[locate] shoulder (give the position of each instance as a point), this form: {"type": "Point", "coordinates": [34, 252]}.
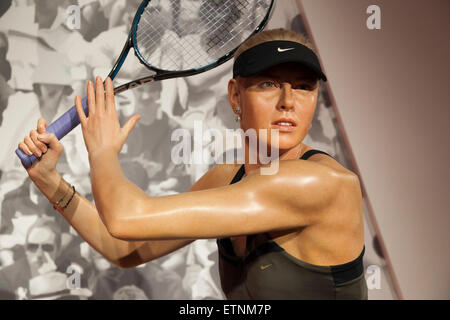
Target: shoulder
{"type": "Point", "coordinates": [331, 163]}
{"type": "Point", "coordinates": [348, 183]}
{"type": "Point", "coordinates": [345, 183]}
{"type": "Point", "coordinates": [326, 178]}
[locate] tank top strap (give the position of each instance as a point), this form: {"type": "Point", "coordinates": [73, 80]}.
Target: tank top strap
{"type": "Point", "coordinates": [311, 152]}
{"type": "Point", "coordinates": [238, 176]}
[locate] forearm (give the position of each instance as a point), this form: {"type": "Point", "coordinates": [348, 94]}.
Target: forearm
{"type": "Point", "coordinates": [115, 196]}
{"type": "Point", "coordinates": [82, 215]}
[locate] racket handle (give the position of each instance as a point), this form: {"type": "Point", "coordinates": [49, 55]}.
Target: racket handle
{"type": "Point", "coordinates": [60, 127]}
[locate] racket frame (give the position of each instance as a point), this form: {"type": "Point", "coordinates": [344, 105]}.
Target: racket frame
{"type": "Point", "coordinates": [165, 74]}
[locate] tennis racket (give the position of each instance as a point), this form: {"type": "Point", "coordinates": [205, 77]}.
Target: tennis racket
{"type": "Point", "coordinates": [181, 39]}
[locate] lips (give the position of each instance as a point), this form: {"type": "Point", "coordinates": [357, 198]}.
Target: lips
{"type": "Point", "coordinates": [284, 125]}
{"type": "Point", "coordinates": [284, 121]}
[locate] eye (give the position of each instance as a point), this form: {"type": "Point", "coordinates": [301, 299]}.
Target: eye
{"type": "Point", "coordinates": [268, 84]}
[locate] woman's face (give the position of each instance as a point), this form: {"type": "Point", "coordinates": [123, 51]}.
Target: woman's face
{"type": "Point", "coordinates": [285, 91]}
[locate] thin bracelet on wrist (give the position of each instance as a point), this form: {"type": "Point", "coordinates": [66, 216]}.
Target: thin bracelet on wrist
{"type": "Point", "coordinates": [71, 197]}
{"type": "Point", "coordinates": [57, 206]}
{"type": "Point", "coordinates": [65, 193]}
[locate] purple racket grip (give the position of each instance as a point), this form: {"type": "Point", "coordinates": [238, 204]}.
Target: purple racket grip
{"type": "Point", "coordinates": [60, 127]}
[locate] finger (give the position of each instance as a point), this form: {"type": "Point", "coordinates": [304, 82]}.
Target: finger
{"type": "Point", "coordinates": [99, 96]}
{"type": "Point", "coordinates": [50, 140]}
{"type": "Point", "coordinates": [40, 145]}
{"type": "Point", "coordinates": [25, 148]}
{"type": "Point", "coordinates": [80, 111]}
{"type": "Point", "coordinates": [41, 125]}
{"type": "Point", "coordinates": [128, 126]}
{"type": "Point", "coordinates": [91, 98]}
{"type": "Point", "coordinates": [110, 104]}
{"type": "Point", "coordinates": [30, 144]}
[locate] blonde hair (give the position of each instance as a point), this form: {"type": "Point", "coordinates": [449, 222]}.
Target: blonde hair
{"type": "Point", "coordinates": [273, 35]}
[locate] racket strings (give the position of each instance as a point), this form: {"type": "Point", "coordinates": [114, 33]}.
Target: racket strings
{"type": "Point", "coordinates": [213, 12]}
{"type": "Point", "coordinates": [193, 34]}
{"type": "Point", "coordinates": [150, 44]}
{"type": "Point", "coordinates": [217, 41]}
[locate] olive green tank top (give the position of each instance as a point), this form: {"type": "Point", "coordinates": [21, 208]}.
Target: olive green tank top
{"type": "Point", "coordinates": [268, 272]}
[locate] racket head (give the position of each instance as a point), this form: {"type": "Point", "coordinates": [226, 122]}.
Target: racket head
{"type": "Point", "coordinates": [186, 37]}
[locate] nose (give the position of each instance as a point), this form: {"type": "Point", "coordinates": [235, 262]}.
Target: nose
{"type": "Point", "coordinates": [286, 98]}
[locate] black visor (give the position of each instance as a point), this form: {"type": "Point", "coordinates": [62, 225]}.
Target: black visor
{"type": "Point", "coordinates": [272, 53]}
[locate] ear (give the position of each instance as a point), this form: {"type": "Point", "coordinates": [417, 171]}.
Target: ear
{"type": "Point", "coordinates": [233, 93]}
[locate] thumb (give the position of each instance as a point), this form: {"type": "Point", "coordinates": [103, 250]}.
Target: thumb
{"type": "Point", "coordinates": [129, 125]}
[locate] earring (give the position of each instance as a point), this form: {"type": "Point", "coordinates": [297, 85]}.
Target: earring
{"type": "Point", "coordinates": [238, 118]}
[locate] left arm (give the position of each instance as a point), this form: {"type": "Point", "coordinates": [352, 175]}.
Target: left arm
{"type": "Point", "coordinates": [301, 193]}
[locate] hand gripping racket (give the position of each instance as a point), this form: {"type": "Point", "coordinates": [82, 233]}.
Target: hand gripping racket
{"type": "Point", "coordinates": [181, 39]}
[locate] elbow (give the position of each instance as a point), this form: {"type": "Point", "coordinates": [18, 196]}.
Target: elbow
{"type": "Point", "coordinates": [129, 260]}
{"type": "Point", "coordinates": [114, 223]}
{"type": "Point", "coordinates": [120, 220]}
{"type": "Point", "coordinates": [116, 229]}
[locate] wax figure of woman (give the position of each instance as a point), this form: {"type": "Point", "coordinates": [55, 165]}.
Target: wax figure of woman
{"type": "Point", "coordinates": [295, 234]}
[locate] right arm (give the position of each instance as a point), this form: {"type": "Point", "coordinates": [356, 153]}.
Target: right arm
{"type": "Point", "coordinates": [82, 214]}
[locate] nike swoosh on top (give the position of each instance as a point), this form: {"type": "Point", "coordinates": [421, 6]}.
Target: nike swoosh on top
{"type": "Point", "coordinates": [283, 50]}
{"type": "Point", "coordinates": [265, 267]}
